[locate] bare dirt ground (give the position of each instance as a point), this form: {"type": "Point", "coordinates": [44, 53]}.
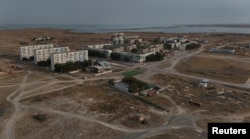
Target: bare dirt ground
{"type": "Point", "coordinates": [223, 69]}
{"type": "Point", "coordinates": [74, 107]}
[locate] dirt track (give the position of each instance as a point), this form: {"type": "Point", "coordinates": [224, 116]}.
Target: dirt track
{"type": "Point", "coordinates": [28, 87]}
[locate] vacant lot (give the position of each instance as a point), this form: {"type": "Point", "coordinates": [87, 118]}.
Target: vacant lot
{"type": "Point", "coordinates": [221, 69]}
{"type": "Point", "coordinates": [215, 99]}
{"type": "Point", "coordinates": [98, 100]}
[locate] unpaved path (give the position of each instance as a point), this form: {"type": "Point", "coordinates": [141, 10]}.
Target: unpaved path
{"type": "Point", "coordinates": [14, 102]}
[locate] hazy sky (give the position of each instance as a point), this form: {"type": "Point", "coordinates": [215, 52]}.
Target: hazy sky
{"type": "Point", "coordinates": [124, 11]}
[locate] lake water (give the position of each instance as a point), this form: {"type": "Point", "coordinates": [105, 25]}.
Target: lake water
{"type": "Point", "coordinates": [135, 28]}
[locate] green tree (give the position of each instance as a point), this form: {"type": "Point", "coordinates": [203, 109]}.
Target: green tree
{"type": "Point", "coordinates": [25, 59]}
{"type": "Point", "coordinates": [134, 50]}
{"type": "Point", "coordinates": [155, 57]}
{"type": "Point", "coordinates": [31, 58]}
{"type": "Point", "coordinates": [111, 82]}
{"type": "Point", "coordinates": [193, 46]}
{"type": "Point", "coordinates": [115, 56]}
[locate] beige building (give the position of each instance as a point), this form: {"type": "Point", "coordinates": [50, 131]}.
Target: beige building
{"type": "Point", "coordinates": [44, 54]}
{"type": "Point", "coordinates": [132, 39]}
{"type": "Point", "coordinates": [128, 48]}
{"type": "Point", "coordinates": [28, 51]}
{"type": "Point", "coordinates": [152, 48]}
{"type": "Point", "coordinates": [62, 58]}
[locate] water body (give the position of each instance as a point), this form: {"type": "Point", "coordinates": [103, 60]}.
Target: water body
{"type": "Point", "coordinates": [138, 28]}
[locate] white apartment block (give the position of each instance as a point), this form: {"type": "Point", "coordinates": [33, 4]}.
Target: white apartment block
{"type": "Point", "coordinates": [62, 58]}
{"type": "Point", "coordinates": [99, 46]}
{"type": "Point", "coordinates": [44, 54]}
{"type": "Point", "coordinates": [28, 51]}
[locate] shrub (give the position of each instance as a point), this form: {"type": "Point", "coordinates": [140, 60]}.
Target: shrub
{"type": "Point", "coordinates": [40, 117]}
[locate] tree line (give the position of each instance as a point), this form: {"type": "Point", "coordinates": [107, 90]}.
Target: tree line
{"type": "Point", "coordinates": [135, 85]}
{"type": "Point", "coordinates": [71, 66]}
{"type": "Point", "coordinates": [96, 53]}
{"type": "Point", "coordinates": [155, 57]}
{"type": "Point", "coordinates": [46, 63]}
{"type": "Point", "coordinates": [28, 59]}
{"type": "Point", "coordinates": [193, 46]}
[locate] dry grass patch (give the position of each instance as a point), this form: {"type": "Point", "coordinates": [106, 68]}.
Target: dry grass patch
{"type": "Point", "coordinates": [225, 70]}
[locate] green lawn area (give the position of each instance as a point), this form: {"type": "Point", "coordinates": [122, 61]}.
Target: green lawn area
{"type": "Point", "coordinates": [131, 73]}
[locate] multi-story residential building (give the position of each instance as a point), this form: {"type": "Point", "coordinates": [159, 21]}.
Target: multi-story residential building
{"type": "Point", "coordinates": [132, 39]}
{"type": "Point", "coordinates": [62, 58]}
{"type": "Point", "coordinates": [44, 54]}
{"type": "Point", "coordinates": [152, 48]}
{"type": "Point", "coordinates": [156, 48]}
{"type": "Point", "coordinates": [115, 48]}
{"type": "Point", "coordinates": [128, 48]}
{"type": "Point", "coordinates": [28, 51]}
{"type": "Point", "coordinates": [99, 46]}
{"type": "Point", "coordinates": [118, 40]}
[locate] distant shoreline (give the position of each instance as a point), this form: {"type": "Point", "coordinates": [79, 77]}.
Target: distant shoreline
{"type": "Point", "coordinates": [199, 28]}
{"type": "Point", "coordinates": [221, 25]}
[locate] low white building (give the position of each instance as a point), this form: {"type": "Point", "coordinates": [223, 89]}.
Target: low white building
{"type": "Point", "coordinates": [28, 51]}
{"type": "Point", "coordinates": [100, 66]}
{"type": "Point", "coordinates": [124, 87]}
{"type": "Point", "coordinates": [62, 58]}
{"type": "Point", "coordinates": [44, 54]}
{"type": "Point", "coordinates": [183, 46]}
{"type": "Point", "coordinates": [136, 57]}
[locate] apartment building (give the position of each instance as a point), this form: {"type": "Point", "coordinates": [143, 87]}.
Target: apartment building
{"type": "Point", "coordinates": [62, 58]}
{"type": "Point", "coordinates": [118, 40]}
{"type": "Point", "coordinates": [132, 39]}
{"type": "Point", "coordinates": [44, 54]}
{"type": "Point", "coordinates": [28, 51]}
{"type": "Point", "coordinates": [128, 48]}
{"type": "Point", "coordinates": [99, 46]}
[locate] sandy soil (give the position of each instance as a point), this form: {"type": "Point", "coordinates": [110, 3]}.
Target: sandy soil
{"type": "Point", "coordinates": [223, 69]}
{"type": "Point", "coordinates": [79, 108]}
{"type": "Point", "coordinates": [11, 40]}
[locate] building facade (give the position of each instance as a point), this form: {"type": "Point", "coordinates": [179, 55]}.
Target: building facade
{"type": "Point", "coordinates": [62, 58]}
{"type": "Point", "coordinates": [28, 51]}
{"type": "Point", "coordinates": [118, 40]}
{"type": "Point", "coordinates": [44, 54]}
{"type": "Point", "coordinates": [135, 57]}
{"type": "Point", "coordinates": [99, 46]}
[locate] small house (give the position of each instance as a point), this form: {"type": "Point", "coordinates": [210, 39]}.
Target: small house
{"type": "Point", "coordinates": [124, 87]}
